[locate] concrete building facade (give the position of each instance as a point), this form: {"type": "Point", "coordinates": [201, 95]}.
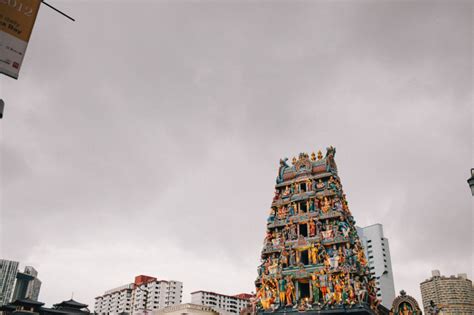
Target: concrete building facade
{"type": "Point", "coordinates": [34, 286]}
{"type": "Point", "coordinates": [188, 308]}
{"type": "Point", "coordinates": [454, 295]}
{"type": "Point", "coordinates": [223, 304]}
{"type": "Point", "coordinates": [142, 296]}
{"type": "Point", "coordinates": [377, 251]}
{"type": "Point", "coordinates": [27, 285]}
{"type": "Point", "coordinates": [8, 271]}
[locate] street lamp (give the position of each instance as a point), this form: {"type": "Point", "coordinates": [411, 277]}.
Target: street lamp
{"type": "Point", "coordinates": [470, 181]}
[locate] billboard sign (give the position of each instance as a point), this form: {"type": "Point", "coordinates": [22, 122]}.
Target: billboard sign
{"type": "Point", "coordinates": [17, 18]}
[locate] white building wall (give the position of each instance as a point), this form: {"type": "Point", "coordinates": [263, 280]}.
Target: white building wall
{"type": "Point", "coordinates": [223, 304]}
{"type": "Point", "coordinates": [377, 251]}
{"type": "Point", "coordinates": [130, 299]}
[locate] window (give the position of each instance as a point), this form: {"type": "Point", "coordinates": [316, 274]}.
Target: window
{"type": "Point", "coordinates": [304, 230]}
{"type": "Point", "coordinates": [303, 207]}
{"type": "Point", "coordinates": [304, 257]}
{"type": "Point", "coordinates": [302, 187]}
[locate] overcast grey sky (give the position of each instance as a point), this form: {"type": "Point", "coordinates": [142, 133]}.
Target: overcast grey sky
{"type": "Point", "coordinates": [145, 137]}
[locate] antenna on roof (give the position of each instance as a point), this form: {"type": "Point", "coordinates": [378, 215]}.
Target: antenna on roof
{"type": "Point", "coordinates": [72, 296]}
{"type": "Point", "coordinates": [60, 12]}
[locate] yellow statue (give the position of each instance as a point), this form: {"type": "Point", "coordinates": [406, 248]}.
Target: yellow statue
{"type": "Point", "coordinates": [313, 157]}
{"type": "Point", "coordinates": [314, 254]}
{"type": "Point", "coordinates": [320, 155]}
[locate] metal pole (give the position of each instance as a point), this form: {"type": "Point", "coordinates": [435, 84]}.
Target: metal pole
{"type": "Point", "coordinates": [60, 12]}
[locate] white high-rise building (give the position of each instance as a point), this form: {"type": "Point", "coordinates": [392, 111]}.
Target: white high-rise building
{"type": "Point", "coordinates": [377, 252]}
{"type": "Point", "coordinates": [8, 271]}
{"type": "Point", "coordinates": [144, 295]}
{"type": "Point", "coordinates": [224, 304]}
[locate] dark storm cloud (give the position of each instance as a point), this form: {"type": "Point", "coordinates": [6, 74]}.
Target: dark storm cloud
{"type": "Point", "coordinates": [145, 137]}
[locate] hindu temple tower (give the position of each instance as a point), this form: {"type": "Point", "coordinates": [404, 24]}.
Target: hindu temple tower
{"type": "Point", "coordinates": [312, 260]}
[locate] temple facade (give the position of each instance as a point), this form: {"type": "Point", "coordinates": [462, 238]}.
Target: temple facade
{"type": "Point", "coordinates": [312, 258]}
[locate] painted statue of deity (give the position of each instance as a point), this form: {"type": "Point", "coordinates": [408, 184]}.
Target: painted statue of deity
{"type": "Point", "coordinates": [309, 184]}
{"type": "Point", "coordinates": [344, 227]}
{"type": "Point", "coordinates": [328, 233]}
{"type": "Point", "coordinates": [273, 269]}
{"type": "Point", "coordinates": [405, 309]}
{"type": "Point", "coordinates": [312, 228]}
{"type": "Point", "coordinates": [312, 207]}
{"type": "Point", "coordinates": [294, 189]}
{"type": "Point", "coordinates": [315, 287]}
{"type": "Point", "coordinates": [286, 192]}
{"type": "Point", "coordinates": [338, 204]}
{"type": "Point", "coordinates": [345, 294]}
{"type": "Point", "coordinates": [332, 184]}
{"type": "Point", "coordinates": [323, 282]}
{"type": "Point", "coordinates": [290, 291]}
{"type": "Point", "coordinates": [342, 258]}
{"type": "Point", "coordinates": [292, 258]}
{"type": "Point", "coordinates": [320, 185]}
{"type": "Point", "coordinates": [282, 290]}
{"type": "Point", "coordinates": [291, 209]}
{"type": "Point", "coordinates": [338, 291]}
{"type": "Point", "coordinates": [326, 205]}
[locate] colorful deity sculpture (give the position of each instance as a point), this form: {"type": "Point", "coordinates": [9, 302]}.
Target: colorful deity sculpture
{"type": "Point", "coordinates": [282, 290]}
{"type": "Point", "coordinates": [315, 287]}
{"type": "Point", "coordinates": [291, 209]}
{"type": "Point", "coordinates": [312, 228]}
{"type": "Point", "coordinates": [290, 292]}
{"type": "Point", "coordinates": [326, 205]}
{"type": "Point", "coordinates": [286, 192]}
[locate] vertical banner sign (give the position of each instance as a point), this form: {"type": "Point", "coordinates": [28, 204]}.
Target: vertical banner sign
{"type": "Point", "coordinates": [17, 18]}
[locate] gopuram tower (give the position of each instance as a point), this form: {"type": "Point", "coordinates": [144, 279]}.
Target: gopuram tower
{"type": "Point", "coordinates": [312, 259]}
